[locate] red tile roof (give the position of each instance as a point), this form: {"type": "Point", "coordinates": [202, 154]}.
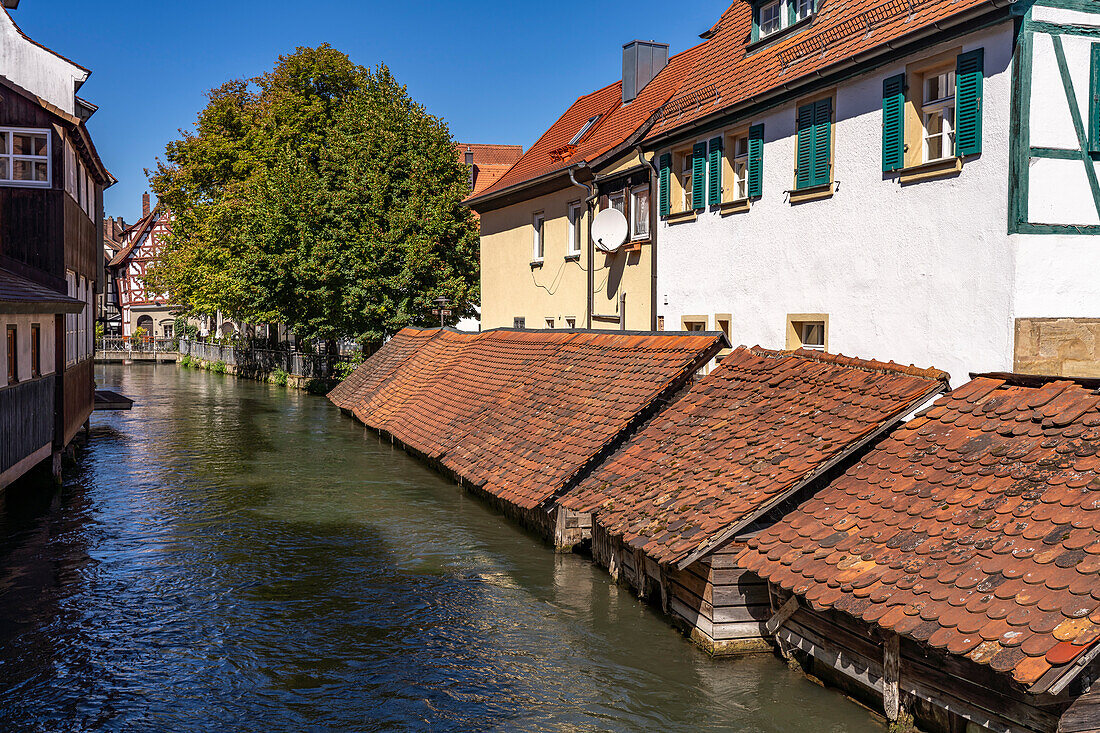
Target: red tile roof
{"type": "Point", "coordinates": [617, 123]}
{"type": "Point", "coordinates": [518, 413]}
{"type": "Point", "coordinates": [505, 155]}
{"type": "Point", "coordinates": [975, 529]}
{"type": "Point", "coordinates": [728, 74]}
{"type": "Point", "coordinates": [744, 438]}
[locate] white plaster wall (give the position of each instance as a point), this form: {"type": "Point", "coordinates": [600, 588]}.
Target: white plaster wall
{"type": "Point", "coordinates": [23, 324]}
{"type": "Point", "coordinates": [918, 274]}
{"type": "Point", "coordinates": [36, 69]}
{"type": "Point", "coordinates": [1056, 274]}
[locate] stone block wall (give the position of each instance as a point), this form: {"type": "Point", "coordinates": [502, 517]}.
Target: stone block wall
{"type": "Point", "coordinates": [1068, 347]}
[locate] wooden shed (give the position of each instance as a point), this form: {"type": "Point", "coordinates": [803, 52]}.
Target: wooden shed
{"type": "Point", "coordinates": [673, 507]}
{"type": "Point", "coordinates": [953, 574]}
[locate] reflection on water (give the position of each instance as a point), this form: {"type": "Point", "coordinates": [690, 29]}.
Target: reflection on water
{"type": "Point", "coordinates": [237, 556]}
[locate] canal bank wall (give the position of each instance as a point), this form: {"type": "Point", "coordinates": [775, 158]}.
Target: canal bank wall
{"type": "Point", "coordinates": [313, 372]}
{"type": "Point", "coordinates": [943, 570]}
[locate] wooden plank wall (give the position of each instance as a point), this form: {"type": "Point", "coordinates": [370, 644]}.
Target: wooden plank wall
{"type": "Point", "coordinates": [79, 391]}
{"type": "Point", "coordinates": [26, 419]}
{"type": "Point", "coordinates": [80, 241]}
{"type": "Point", "coordinates": [32, 234]}
{"type": "Point", "coordinates": [941, 691]}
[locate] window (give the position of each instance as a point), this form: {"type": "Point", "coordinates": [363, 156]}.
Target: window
{"type": "Point", "coordinates": [167, 330]}
{"type": "Point", "coordinates": [722, 321]}
{"type": "Point", "coordinates": [938, 115]}
{"type": "Point", "coordinates": [660, 323]}
{"type": "Point", "coordinates": [576, 229]}
{"type": "Point", "coordinates": [815, 133]}
{"type": "Point", "coordinates": [808, 331]}
{"type": "Point", "coordinates": [13, 355]}
{"type": "Point", "coordinates": [584, 128]}
{"type": "Point", "coordinates": [771, 17]}
{"type": "Point", "coordinates": [70, 320]}
{"type": "Point", "coordinates": [685, 182]}
{"type": "Point", "coordinates": [695, 323]}
{"type": "Point", "coordinates": [519, 322]}
{"type": "Point", "coordinates": [36, 350]}
{"type": "Point", "coordinates": [539, 245]}
{"type": "Point", "coordinates": [24, 157]}
{"type": "Point", "coordinates": [550, 323]}
{"type": "Point", "coordinates": [740, 187]}
{"type": "Point", "coordinates": [639, 212]}
{"type": "Point", "coordinates": [813, 336]}
{"type": "Point", "coordinates": [802, 9]}
{"type": "Point", "coordinates": [1094, 99]}
{"type": "Point", "coordinates": [617, 201]}
{"type": "Point", "coordinates": [570, 322]}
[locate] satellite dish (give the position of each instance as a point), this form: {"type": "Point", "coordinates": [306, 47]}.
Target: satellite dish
{"type": "Point", "coordinates": [609, 230]}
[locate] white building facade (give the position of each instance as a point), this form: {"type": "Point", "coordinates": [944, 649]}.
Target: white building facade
{"type": "Point", "coordinates": [935, 205]}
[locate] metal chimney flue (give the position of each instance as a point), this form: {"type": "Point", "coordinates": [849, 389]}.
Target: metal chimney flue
{"type": "Point", "coordinates": [642, 61]}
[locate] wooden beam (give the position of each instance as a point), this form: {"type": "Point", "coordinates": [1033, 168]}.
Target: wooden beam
{"type": "Point", "coordinates": [782, 615]}
{"type": "Point", "coordinates": [891, 676]}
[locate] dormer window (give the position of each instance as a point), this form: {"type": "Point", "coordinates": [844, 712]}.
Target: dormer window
{"type": "Point", "coordinates": [772, 16]}
{"type": "Point", "coordinates": [584, 128]}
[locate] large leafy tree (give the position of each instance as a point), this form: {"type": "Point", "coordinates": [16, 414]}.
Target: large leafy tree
{"type": "Point", "coordinates": [321, 196]}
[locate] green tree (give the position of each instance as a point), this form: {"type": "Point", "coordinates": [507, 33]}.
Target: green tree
{"type": "Point", "coordinates": [319, 195]}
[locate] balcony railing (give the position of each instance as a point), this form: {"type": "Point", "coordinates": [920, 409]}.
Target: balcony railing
{"type": "Point", "coordinates": [130, 343]}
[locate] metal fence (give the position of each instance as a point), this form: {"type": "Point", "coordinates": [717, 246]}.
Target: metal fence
{"type": "Point", "coordinates": [131, 344]}
{"type": "Point", "coordinates": [252, 362]}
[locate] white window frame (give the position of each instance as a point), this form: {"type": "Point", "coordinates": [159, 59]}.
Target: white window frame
{"type": "Point", "coordinates": [781, 7]}
{"type": "Point", "coordinates": [634, 206]}
{"type": "Point", "coordinates": [940, 106]}
{"type": "Point", "coordinates": [538, 239]}
{"type": "Point", "coordinates": [11, 157]}
{"type": "Point", "coordinates": [799, 7]}
{"type": "Point", "coordinates": [803, 331]}
{"type": "Point", "coordinates": [570, 321]}
{"type": "Point", "coordinates": [576, 220]}
{"type": "Point", "coordinates": [686, 183]}
{"type": "Point", "coordinates": [739, 167]}
{"type": "Point", "coordinates": [549, 322]}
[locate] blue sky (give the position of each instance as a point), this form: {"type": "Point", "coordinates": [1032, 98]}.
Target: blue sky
{"type": "Point", "coordinates": [497, 72]}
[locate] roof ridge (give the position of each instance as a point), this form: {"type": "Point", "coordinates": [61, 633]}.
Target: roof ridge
{"type": "Point", "coordinates": [855, 362]}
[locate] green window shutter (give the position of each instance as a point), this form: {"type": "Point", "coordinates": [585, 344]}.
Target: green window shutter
{"type": "Point", "coordinates": [805, 123]}
{"type": "Point", "coordinates": [665, 168]}
{"type": "Point", "coordinates": [714, 183]}
{"type": "Point", "coordinates": [1094, 100]}
{"type": "Point", "coordinates": [756, 161]}
{"type": "Point", "coordinates": [893, 123]}
{"type": "Point", "coordinates": [823, 138]}
{"type": "Point", "coordinates": [969, 69]}
{"type": "Point", "coordinates": [699, 176]}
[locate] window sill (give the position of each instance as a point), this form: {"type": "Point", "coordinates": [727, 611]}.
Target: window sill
{"type": "Point", "coordinates": [812, 193]}
{"type": "Point", "coordinates": [635, 245]}
{"type": "Point", "coordinates": [737, 206]}
{"type": "Point", "coordinates": [927, 171]}
{"type": "Point", "coordinates": [536, 263]}
{"type": "Point", "coordinates": [681, 216]}
{"type": "Point", "coordinates": [575, 257]}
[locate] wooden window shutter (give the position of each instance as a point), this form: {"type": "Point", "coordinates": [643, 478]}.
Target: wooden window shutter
{"type": "Point", "coordinates": [699, 176]}
{"type": "Point", "coordinates": [714, 183]}
{"type": "Point", "coordinates": [664, 199]}
{"type": "Point", "coordinates": [823, 138]}
{"type": "Point", "coordinates": [893, 123]}
{"type": "Point", "coordinates": [969, 70]}
{"type": "Point", "coordinates": [756, 161]}
{"type": "Point", "coordinates": [1094, 100]}
{"type": "Point", "coordinates": [804, 161]}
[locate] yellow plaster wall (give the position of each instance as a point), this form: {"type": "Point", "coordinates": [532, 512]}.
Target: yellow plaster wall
{"type": "Point", "coordinates": [511, 286]}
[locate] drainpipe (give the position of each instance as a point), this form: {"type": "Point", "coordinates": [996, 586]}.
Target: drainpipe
{"type": "Point", "coordinates": [593, 194]}
{"type": "Point", "coordinates": [654, 175]}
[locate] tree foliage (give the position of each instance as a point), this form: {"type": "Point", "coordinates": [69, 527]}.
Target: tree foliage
{"type": "Point", "coordinates": [321, 196]}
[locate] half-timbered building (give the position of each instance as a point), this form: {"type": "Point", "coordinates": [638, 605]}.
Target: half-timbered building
{"type": "Point", "coordinates": [138, 305]}
{"type": "Point", "coordinates": [51, 186]}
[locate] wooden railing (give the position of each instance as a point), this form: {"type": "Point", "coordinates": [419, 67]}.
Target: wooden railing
{"type": "Point", "coordinates": [26, 419]}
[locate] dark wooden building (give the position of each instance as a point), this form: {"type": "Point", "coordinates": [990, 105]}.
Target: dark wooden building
{"type": "Point", "coordinates": [51, 202]}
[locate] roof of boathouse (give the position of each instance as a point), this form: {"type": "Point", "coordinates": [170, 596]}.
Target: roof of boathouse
{"type": "Point", "coordinates": [752, 433]}
{"type": "Point", "coordinates": [519, 413]}
{"type": "Point", "coordinates": [974, 529]}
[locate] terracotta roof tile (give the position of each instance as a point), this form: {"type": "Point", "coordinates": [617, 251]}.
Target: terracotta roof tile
{"type": "Point", "coordinates": [730, 73]}
{"type": "Point", "coordinates": [740, 441]}
{"type": "Point", "coordinates": [617, 123]}
{"type": "Point", "coordinates": [998, 525]}
{"type": "Point", "coordinates": [517, 413]}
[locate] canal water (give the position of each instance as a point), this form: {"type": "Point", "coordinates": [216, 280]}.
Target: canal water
{"type": "Point", "coordinates": [234, 556]}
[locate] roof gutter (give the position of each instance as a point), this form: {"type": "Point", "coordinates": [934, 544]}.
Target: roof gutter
{"type": "Point", "coordinates": [858, 59]}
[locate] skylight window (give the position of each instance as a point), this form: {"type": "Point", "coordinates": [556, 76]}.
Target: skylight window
{"type": "Point", "coordinates": [584, 128]}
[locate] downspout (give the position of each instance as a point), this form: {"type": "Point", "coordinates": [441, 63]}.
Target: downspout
{"type": "Point", "coordinates": [593, 193]}
{"type": "Point", "coordinates": [654, 175]}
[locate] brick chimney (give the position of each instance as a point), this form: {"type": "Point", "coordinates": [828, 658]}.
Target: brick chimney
{"type": "Point", "coordinates": [145, 205]}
